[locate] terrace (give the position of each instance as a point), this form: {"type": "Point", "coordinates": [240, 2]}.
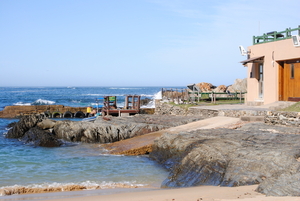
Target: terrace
{"type": "Point", "coordinates": [276, 36]}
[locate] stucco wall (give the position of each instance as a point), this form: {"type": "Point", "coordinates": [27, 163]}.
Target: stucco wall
{"type": "Point", "coordinates": [273, 52]}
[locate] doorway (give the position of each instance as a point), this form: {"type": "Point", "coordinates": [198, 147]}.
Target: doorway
{"type": "Point", "coordinates": [289, 80]}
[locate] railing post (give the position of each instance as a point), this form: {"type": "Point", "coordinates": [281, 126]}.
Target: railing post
{"type": "Point", "coordinates": [215, 98]}
{"type": "Point", "coordinates": [240, 96]}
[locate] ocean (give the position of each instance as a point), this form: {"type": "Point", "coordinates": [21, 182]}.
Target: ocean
{"type": "Point", "coordinates": [23, 165]}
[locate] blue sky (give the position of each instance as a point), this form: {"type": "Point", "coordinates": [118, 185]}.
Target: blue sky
{"type": "Point", "coordinates": [132, 42]}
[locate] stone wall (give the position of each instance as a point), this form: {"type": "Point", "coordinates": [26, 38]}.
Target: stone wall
{"type": "Point", "coordinates": [283, 118]}
{"type": "Point", "coordinates": [162, 108]}
{"type": "Point", "coordinates": [241, 113]}
{"type": "Point", "coordinates": [270, 117]}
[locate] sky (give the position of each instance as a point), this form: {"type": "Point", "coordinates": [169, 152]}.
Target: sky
{"type": "Point", "coordinates": [133, 42]}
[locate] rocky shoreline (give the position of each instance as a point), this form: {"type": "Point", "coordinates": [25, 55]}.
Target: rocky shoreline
{"type": "Point", "coordinates": [41, 131]}
{"type": "Point", "coordinates": [255, 153]}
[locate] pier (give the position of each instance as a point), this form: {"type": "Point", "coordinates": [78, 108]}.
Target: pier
{"type": "Point", "coordinates": [51, 111]}
{"type": "Point", "coordinates": [108, 107]}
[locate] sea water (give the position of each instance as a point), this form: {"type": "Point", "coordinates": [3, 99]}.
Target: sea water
{"type": "Point", "coordinates": [74, 163]}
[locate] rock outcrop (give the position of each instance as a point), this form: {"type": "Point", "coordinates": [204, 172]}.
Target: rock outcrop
{"type": "Point", "coordinates": [34, 129]}
{"type": "Point", "coordinates": [23, 125]}
{"type": "Point", "coordinates": [255, 154]}
{"type": "Point", "coordinates": [41, 131]}
{"type": "Point", "coordinates": [39, 137]}
{"type": "Point", "coordinates": [116, 129]}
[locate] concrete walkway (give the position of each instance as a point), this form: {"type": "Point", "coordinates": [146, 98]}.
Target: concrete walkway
{"type": "Point", "coordinates": [143, 144]}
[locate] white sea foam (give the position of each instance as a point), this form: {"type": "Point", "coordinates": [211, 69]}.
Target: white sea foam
{"type": "Point", "coordinates": [123, 88]}
{"type": "Point", "coordinates": [151, 104]}
{"type": "Point", "coordinates": [43, 102]}
{"type": "Point", "coordinates": [48, 187]}
{"type": "Point", "coordinates": [37, 102]}
{"type": "Point", "coordinates": [21, 103]}
{"type": "Point", "coordinates": [76, 101]}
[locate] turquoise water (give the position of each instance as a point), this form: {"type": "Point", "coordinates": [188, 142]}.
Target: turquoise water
{"type": "Point", "coordinates": [75, 163]}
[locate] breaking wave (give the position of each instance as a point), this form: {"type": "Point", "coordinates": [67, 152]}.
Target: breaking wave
{"type": "Point", "coordinates": [151, 104]}
{"type": "Point", "coordinates": [37, 102]}
{"type": "Point", "coordinates": [58, 187]}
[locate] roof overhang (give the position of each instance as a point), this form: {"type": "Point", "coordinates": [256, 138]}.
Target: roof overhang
{"type": "Point", "coordinates": [259, 59]}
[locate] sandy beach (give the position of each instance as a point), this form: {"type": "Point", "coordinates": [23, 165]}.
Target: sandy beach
{"type": "Point", "coordinates": [204, 193]}
{"type": "Point", "coordinates": [200, 193]}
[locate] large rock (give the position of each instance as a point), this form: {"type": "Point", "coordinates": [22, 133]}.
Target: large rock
{"type": "Point", "coordinates": [39, 137]}
{"type": "Point", "coordinates": [239, 85]}
{"type": "Point", "coordinates": [23, 125]}
{"type": "Point", "coordinates": [205, 87]}
{"type": "Point", "coordinates": [116, 128]}
{"type": "Point", "coordinates": [102, 131]}
{"type": "Point", "coordinates": [266, 156]}
{"type": "Point", "coordinates": [220, 89]}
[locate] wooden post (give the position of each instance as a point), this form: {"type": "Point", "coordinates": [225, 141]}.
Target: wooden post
{"type": "Point", "coordinates": [240, 96]}
{"type": "Point", "coordinates": [215, 98]}
{"type": "Point", "coordinates": [177, 92]}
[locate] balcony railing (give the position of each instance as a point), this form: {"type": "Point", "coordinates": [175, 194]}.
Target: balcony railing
{"type": "Point", "coordinates": [276, 36]}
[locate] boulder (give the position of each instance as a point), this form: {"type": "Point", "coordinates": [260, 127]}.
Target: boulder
{"type": "Point", "coordinates": [240, 85]}
{"type": "Point", "coordinates": [46, 124]}
{"type": "Point", "coordinates": [220, 89]}
{"type": "Point", "coordinates": [39, 137]}
{"type": "Point", "coordinates": [205, 87]}
{"type": "Point", "coordinates": [228, 157]}
{"type": "Point", "coordinates": [23, 125]}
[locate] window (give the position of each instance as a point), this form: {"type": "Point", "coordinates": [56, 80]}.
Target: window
{"type": "Point", "coordinates": [292, 71]}
{"type": "Point", "coordinates": [261, 72]}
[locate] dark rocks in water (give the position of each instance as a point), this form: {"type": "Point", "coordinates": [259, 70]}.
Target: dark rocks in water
{"type": "Point", "coordinates": [42, 138]}
{"type": "Point", "coordinates": [267, 156]}
{"type": "Point", "coordinates": [23, 125]}
{"type": "Point", "coordinates": [27, 130]}
{"type": "Point", "coordinates": [12, 124]}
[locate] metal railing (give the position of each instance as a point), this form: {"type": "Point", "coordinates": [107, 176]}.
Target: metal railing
{"type": "Point", "coordinates": [275, 36]}
{"type": "Point", "coordinates": [184, 95]}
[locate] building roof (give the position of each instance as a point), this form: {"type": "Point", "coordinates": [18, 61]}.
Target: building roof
{"type": "Point", "coordinates": [253, 60]}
